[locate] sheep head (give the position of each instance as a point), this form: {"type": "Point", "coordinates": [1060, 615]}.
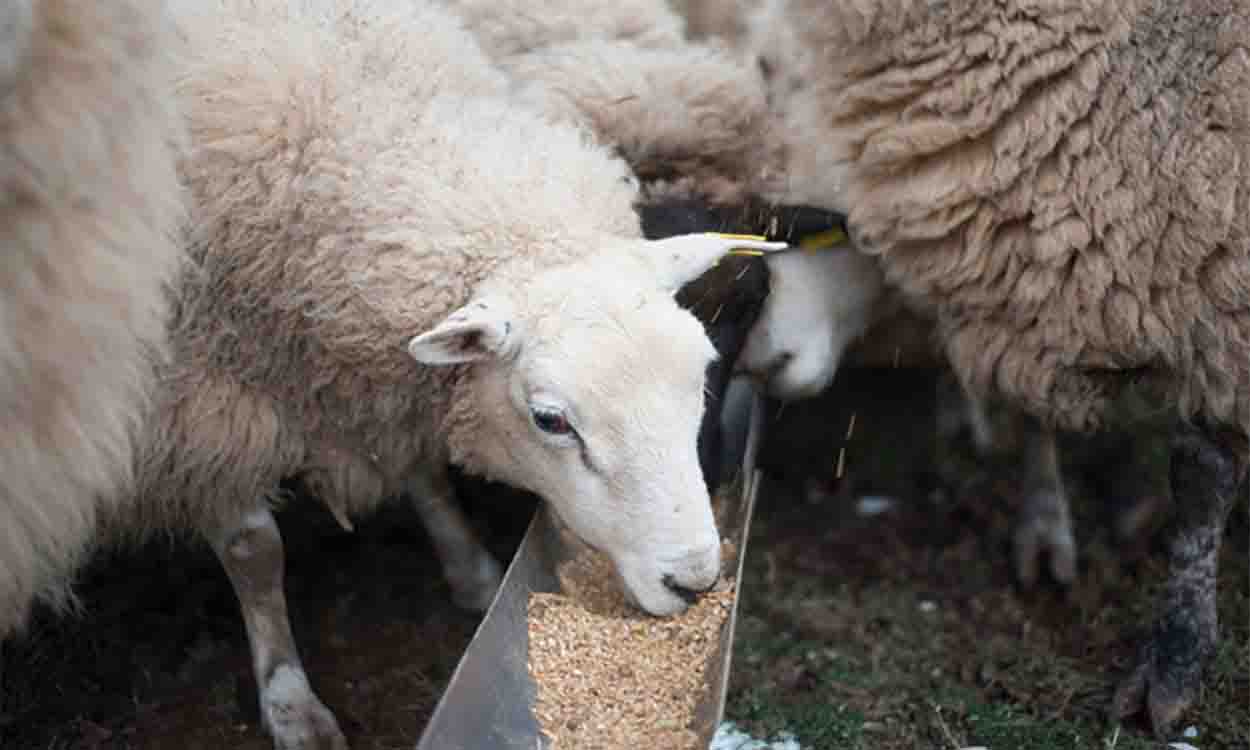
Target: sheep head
{"type": "Point", "coordinates": [818, 304]}
{"type": "Point", "coordinates": [585, 385]}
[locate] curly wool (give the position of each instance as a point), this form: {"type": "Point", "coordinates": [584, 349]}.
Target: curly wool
{"type": "Point", "coordinates": [1065, 183]}
{"type": "Point", "coordinates": [90, 205]}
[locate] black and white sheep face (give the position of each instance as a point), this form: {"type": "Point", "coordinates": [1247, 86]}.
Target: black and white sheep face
{"type": "Point", "coordinates": [588, 389]}
{"type": "Point", "coordinates": [818, 304]}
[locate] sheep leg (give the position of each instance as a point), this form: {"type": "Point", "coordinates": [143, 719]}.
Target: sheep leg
{"type": "Point", "coordinates": [1043, 522]}
{"type": "Point", "coordinates": [252, 554]}
{"type": "Point", "coordinates": [984, 438]}
{"type": "Point", "coordinates": [959, 408]}
{"type": "Point", "coordinates": [469, 568]}
{"type": "Point", "coordinates": [1207, 476]}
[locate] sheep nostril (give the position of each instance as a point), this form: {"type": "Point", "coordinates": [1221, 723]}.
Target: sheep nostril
{"type": "Point", "coordinates": [690, 596]}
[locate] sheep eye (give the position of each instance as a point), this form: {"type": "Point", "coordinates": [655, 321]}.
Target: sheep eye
{"type": "Point", "coordinates": [553, 422]}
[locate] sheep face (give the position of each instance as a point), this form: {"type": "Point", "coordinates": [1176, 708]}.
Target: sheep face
{"type": "Point", "coordinates": [818, 304]}
{"type": "Point", "coordinates": [587, 386]}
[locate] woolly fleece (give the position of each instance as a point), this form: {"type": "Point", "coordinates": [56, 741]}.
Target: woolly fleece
{"type": "Point", "coordinates": [89, 213]}
{"type": "Point", "coordinates": [1066, 183]}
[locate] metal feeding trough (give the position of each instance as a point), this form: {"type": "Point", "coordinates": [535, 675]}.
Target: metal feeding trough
{"type": "Point", "coordinates": [488, 705]}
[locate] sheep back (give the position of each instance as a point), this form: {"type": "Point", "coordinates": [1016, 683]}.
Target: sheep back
{"type": "Point", "coordinates": [1068, 184]}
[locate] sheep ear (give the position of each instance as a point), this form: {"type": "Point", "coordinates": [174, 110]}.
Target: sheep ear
{"type": "Point", "coordinates": [681, 259]}
{"type": "Point", "coordinates": [480, 330]}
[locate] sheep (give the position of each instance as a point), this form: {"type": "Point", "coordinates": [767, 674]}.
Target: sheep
{"type": "Point", "coordinates": [1063, 187]}
{"type": "Point", "coordinates": [398, 267]}
{"type": "Point", "coordinates": [88, 233]}
{"type": "Point", "coordinates": [600, 41]}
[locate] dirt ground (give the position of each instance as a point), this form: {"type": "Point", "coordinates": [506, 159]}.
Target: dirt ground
{"type": "Point", "coordinates": [899, 630]}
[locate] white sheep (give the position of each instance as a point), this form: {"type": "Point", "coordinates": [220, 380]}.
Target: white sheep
{"type": "Point", "coordinates": [1064, 187]}
{"type": "Point", "coordinates": [400, 267]}
{"type": "Point", "coordinates": [89, 209]}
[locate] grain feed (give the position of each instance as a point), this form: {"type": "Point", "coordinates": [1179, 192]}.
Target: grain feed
{"type": "Point", "coordinates": [611, 676]}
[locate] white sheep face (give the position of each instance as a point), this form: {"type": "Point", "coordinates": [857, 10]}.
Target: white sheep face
{"type": "Point", "coordinates": [818, 304]}
{"type": "Point", "coordinates": [588, 383]}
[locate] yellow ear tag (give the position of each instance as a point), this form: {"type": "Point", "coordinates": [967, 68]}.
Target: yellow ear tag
{"type": "Point", "coordinates": [822, 240]}
{"type": "Point", "coordinates": [750, 252]}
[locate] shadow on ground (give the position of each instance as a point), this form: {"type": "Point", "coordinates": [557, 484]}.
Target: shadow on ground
{"type": "Point", "coordinates": [899, 630]}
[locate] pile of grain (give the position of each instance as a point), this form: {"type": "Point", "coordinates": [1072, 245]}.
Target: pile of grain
{"type": "Point", "coordinates": [609, 676]}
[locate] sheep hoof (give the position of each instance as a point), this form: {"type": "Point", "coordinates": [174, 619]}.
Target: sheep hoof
{"type": "Point", "coordinates": [1044, 527]}
{"type": "Point", "coordinates": [1168, 675]}
{"type": "Point", "coordinates": [294, 717]}
{"type": "Point", "coordinates": [473, 585]}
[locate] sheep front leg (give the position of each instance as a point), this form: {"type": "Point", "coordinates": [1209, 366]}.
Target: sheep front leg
{"type": "Point", "coordinates": [251, 552]}
{"type": "Point", "coordinates": [984, 437]}
{"type": "Point", "coordinates": [1044, 523]}
{"type": "Point", "coordinates": [470, 569]}
{"type": "Point", "coordinates": [1207, 477]}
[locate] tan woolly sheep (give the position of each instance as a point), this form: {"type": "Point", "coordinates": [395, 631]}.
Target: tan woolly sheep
{"type": "Point", "coordinates": [398, 267]}
{"type": "Point", "coordinates": [89, 209]}
{"type": "Point", "coordinates": [1064, 186]}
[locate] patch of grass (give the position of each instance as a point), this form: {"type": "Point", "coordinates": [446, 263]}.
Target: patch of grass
{"type": "Point", "coordinates": [816, 722]}
{"type": "Point", "coordinates": [907, 630]}
{"type": "Point", "coordinates": [811, 708]}
{"type": "Point", "coordinates": [1005, 726]}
